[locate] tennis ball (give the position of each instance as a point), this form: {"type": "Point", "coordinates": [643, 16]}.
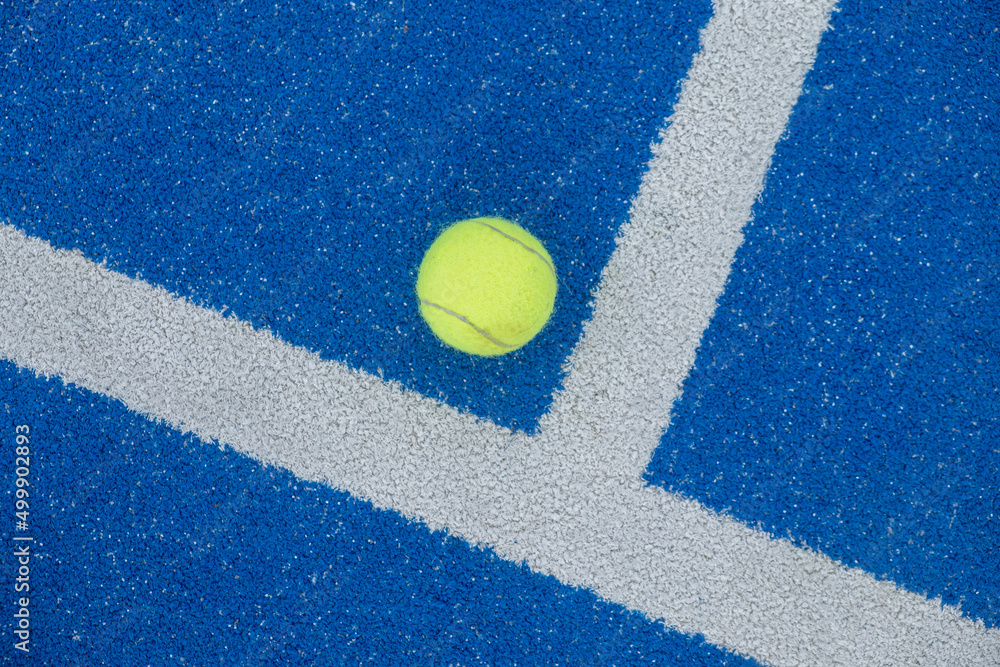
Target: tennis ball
{"type": "Point", "coordinates": [486, 286]}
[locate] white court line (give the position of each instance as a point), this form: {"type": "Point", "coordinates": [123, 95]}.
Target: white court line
{"type": "Point", "coordinates": [569, 502]}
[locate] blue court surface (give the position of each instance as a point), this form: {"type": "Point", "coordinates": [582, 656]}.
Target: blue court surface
{"type": "Point", "coordinates": [762, 426]}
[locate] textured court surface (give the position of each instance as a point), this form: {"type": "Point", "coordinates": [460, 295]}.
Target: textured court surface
{"type": "Point", "coordinates": [762, 427]}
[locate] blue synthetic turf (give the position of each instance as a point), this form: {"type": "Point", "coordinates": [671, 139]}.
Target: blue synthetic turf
{"type": "Point", "coordinates": [288, 163]}
{"type": "Point", "coordinates": [847, 393]}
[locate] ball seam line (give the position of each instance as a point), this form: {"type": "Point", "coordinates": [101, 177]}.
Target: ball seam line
{"type": "Point", "coordinates": [462, 318]}
{"type": "Point", "coordinates": [522, 244]}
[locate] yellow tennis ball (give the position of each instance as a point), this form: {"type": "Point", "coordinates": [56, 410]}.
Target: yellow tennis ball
{"type": "Point", "coordinates": [486, 286]}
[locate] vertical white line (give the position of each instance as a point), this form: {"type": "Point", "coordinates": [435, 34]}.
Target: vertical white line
{"type": "Point", "coordinates": [659, 290]}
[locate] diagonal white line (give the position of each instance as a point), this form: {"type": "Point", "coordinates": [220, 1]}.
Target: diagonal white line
{"type": "Point", "coordinates": [646, 549]}
{"type": "Point", "coordinates": [568, 502]}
